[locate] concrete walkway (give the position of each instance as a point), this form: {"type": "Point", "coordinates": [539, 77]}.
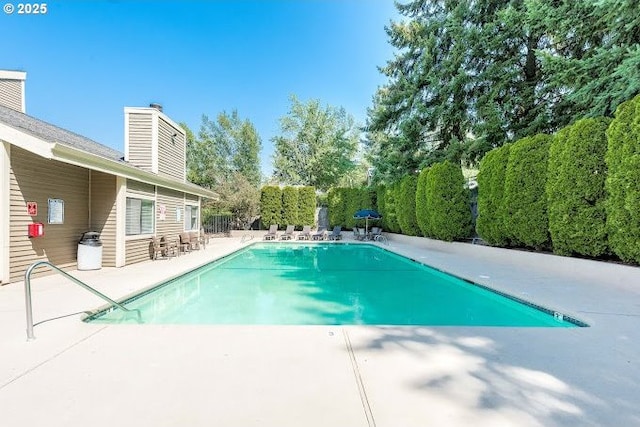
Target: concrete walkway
{"type": "Point", "coordinates": [178, 375]}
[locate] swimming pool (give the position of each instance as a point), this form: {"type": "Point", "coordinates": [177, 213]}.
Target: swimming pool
{"type": "Point", "coordinates": [327, 284]}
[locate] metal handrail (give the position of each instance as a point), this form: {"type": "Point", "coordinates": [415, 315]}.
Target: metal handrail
{"type": "Point", "coordinates": [27, 294]}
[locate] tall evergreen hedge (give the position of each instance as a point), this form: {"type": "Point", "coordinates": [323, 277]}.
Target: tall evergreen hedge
{"type": "Point", "coordinates": [289, 206]}
{"type": "Point", "coordinates": [307, 206]}
{"type": "Point", "coordinates": [623, 181]}
{"type": "Point", "coordinates": [524, 206]}
{"type": "Point", "coordinates": [391, 206]}
{"type": "Point", "coordinates": [357, 199]}
{"type": "Point", "coordinates": [575, 188]}
{"type": "Point", "coordinates": [270, 206]}
{"type": "Point", "coordinates": [447, 202]}
{"type": "Point", "coordinates": [490, 223]}
{"type": "Point", "coordinates": [406, 206]}
{"type": "Point", "coordinates": [337, 200]}
{"type": "Point", "coordinates": [381, 205]}
{"type": "Point", "coordinates": [422, 213]}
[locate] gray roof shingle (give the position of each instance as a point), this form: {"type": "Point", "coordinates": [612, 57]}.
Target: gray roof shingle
{"type": "Point", "coordinates": [51, 133]}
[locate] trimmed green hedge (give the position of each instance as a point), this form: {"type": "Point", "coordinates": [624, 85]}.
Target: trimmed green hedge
{"type": "Point", "coordinates": [406, 206]}
{"type": "Point", "coordinates": [307, 206]}
{"type": "Point", "coordinates": [391, 203]}
{"type": "Point", "coordinates": [289, 206]}
{"type": "Point", "coordinates": [335, 206]}
{"type": "Point", "coordinates": [575, 188]}
{"type": "Point", "coordinates": [447, 202]}
{"type": "Point", "coordinates": [623, 181]}
{"type": "Point", "coordinates": [524, 207]}
{"type": "Point", "coordinates": [270, 206]}
{"type": "Point", "coordinates": [489, 224]}
{"type": "Point", "coordinates": [422, 212]}
{"type": "Point", "coordinates": [381, 205]}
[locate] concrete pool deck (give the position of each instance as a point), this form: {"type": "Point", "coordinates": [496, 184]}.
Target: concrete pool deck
{"type": "Point", "coordinates": [175, 375]}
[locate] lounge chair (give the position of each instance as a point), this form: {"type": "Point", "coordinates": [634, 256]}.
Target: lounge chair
{"type": "Point", "coordinates": [305, 234]}
{"type": "Point", "coordinates": [271, 234]}
{"type": "Point", "coordinates": [288, 233]}
{"type": "Point", "coordinates": [320, 235]}
{"type": "Point", "coordinates": [336, 234]}
{"type": "Point", "coordinates": [359, 233]}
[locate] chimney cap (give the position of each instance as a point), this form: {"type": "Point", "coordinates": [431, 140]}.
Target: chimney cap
{"type": "Point", "coordinates": [156, 106]}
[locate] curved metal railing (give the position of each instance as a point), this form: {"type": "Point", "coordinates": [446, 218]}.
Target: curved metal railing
{"type": "Point", "coordinates": [29, 306]}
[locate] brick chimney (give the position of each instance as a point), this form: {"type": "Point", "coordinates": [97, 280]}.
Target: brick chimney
{"type": "Point", "coordinates": [12, 89]}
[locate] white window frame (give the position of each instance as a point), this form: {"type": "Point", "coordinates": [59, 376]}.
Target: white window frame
{"type": "Point", "coordinates": [151, 199]}
{"type": "Point", "coordinates": [187, 216]}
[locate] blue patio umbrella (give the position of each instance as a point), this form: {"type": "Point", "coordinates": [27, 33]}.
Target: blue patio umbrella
{"type": "Point", "coordinates": [367, 214]}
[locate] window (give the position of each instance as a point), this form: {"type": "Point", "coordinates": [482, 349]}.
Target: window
{"type": "Point", "coordinates": [140, 216]}
{"type": "Point", "coordinates": [191, 218]}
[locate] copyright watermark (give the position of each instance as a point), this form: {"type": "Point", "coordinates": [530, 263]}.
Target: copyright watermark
{"type": "Point", "coordinates": [25, 8]}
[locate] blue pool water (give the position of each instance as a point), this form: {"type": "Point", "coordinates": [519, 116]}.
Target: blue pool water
{"type": "Point", "coordinates": [326, 284]}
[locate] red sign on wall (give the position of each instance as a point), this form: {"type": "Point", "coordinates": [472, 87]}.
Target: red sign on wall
{"type": "Point", "coordinates": [32, 208]}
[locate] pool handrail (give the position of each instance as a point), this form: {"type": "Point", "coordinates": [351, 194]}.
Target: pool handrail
{"type": "Point", "coordinates": [27, 294]}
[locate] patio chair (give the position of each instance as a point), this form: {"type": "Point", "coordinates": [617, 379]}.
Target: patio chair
{"type": "Point", "coordinates": [172, 246]}
{"type": "Point", "coordinates": [376, 232]}
{"type": "Point", "coordinates": [359, 233]}
{"type": "Point", "coordinates": [320, 235]}
{"type": "Point", "coordinates": [336, 234]}
{"type": "Point", "coordinates": [194, 240]}
{"type": "Point", "coordinates": [305, 234]}
{"type": "Point", "coordinates": [288, 233]}
{"type": "Point", "coordinates": [158, 248]}
{"type": "Point", "coordinates": [271, 234]}
{"type": "Point", "coordinates": [185, 242]}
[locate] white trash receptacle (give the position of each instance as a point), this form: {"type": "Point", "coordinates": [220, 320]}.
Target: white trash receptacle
{"type": "Point", "coordinates": [90, 251]}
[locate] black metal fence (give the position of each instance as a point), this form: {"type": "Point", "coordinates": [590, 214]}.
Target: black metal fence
{"type": "Point", "coordinates": [218, 224]}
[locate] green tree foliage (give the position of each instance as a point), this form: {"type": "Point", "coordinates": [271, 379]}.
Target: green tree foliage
{"type": "Point", "coordinates": [447, 202]}
{"type": "Point", "coordinates": [524, 205]}
{"type": "Point", "coordinates": [422, 213]}
{"type": "Point", "coordinates": [307, 206]}
{"type": "Point", "coordinates": [316, 146]}
{"type": "Point", "coordinates": [575, 188]}
{"type": "Point", "coordinates": [490, 222]}
{"type": "Point", "coordinates": [239, 197]}
{"type": "Point", "coordinates": [222, 148]}
{"type": "Point", "coordinates": [469, 76]}
{"type": "Point", "coordinates": [596, 60]}
{"type": "Point", "coordinates": [271, 206]}
{"type": "Point", "coordinates": [337, 199]}
{"type": "Point", "coordinates": [289, 206]}
{"type": "Point", "coordinates": [406, 206]}
{"type": "Point", "coordinates": [623, 190]}
{"type": "Point", "coordinates": [357, 199]}
{"type": "Point", "coordinates": [381, 205]}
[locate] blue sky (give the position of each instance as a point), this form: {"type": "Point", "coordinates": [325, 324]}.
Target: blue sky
{"type": "Point", "coordinates": [87, 60]}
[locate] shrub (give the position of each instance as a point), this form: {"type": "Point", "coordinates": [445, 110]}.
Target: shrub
{"type": "Point", "coordinates": [490, 223]}
{"type": "Point", "coordinates": [524, 206]}
{"type": "Point", "coordinates": [391, 201]}
{"type": "Point", "coordinates": [381, 205]}
{"type": "Point", "coordinates": [357, 199]}
{"type": "Point", "coordinates": [270, 206]}
{"type": "Point", "coordinates": [622, 183]}
{"type": "Point", "coordinates": [289, 206]}
{"type": "Point", "coordinates": [422, 213]}
{"type": "Point", "coordinates": [447, 202]}
{"type": "Point", "coordinates": [406, 206]}
{"type": "Point", "coordinates": [307, 206]}
{"type": "Point", "coordinates": [575, 188]}
{"type": "Point", "coordinates": [336, 198]}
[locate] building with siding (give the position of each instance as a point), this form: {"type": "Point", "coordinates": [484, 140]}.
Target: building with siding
{"type": "Point", "coordinates": [72, 184]}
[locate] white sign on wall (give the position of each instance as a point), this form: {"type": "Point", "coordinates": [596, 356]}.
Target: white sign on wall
{"type": "Point", "coordinates": [56, 211]}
